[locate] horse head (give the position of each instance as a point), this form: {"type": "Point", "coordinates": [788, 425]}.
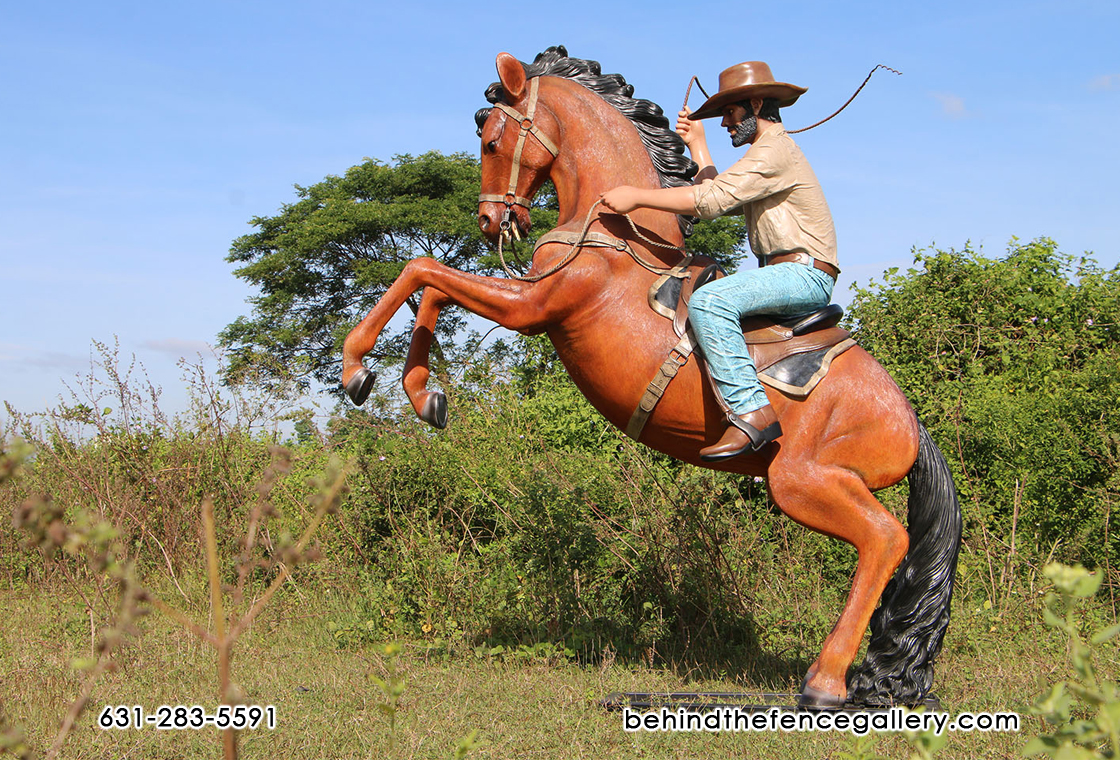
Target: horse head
{"type": "Point", "coordinates": [517, 152]}
{"type": "Point", "coordinates": [607, 136]}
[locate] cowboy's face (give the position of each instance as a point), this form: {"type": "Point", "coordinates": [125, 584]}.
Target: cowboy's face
{"type": "Point", "coordinates": [741, 123]}
{"type": "Point", "coordinates": [733, 115]}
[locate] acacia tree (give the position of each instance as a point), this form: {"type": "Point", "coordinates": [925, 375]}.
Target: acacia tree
{"type": "Point", "coordinates": [322, 262]}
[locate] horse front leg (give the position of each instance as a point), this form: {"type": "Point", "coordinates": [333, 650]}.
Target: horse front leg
{"type": "Point", "coordinates": [524, 307]}
{"type": "Point", "coordinates": [430, 406]}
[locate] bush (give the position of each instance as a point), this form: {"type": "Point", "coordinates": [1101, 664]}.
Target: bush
{"type": "Point", "coordinates": [1010, 362]}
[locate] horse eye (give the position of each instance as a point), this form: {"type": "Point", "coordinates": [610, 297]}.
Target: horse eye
{"type": "Point", "coordinates": [492, 146]}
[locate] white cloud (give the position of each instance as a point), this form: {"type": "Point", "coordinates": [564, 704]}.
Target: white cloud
{"type": "Point", "coordinates": [25, 359]}
{"type": "Point", "coordinates": [951, 105]}
{"type": "Point", "coordinates": [1105, 82]}
{"type": "Point", "coordinates": [179, 347]}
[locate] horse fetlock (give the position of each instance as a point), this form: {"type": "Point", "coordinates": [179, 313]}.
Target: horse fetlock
{"type": "Point", "coordinates": [810, 674]}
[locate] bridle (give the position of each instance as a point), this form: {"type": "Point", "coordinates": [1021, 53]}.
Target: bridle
{"type": "Point", "coordinates": [511, 198]}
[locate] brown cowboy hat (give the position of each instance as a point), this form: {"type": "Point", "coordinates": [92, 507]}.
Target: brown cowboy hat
{"type": "Point", "coordinates": [744, 81]}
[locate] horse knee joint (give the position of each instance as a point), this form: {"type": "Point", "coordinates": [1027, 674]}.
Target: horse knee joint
{"type": "Point", "coordinates": [420, 264]}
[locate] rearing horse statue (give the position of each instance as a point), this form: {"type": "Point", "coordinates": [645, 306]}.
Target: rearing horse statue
{"type": "Point", "coordinates": [855, 433]}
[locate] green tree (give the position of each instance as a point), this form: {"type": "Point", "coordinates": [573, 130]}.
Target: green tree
{"type": "Point", "coordinates": [1013, 364]}
{"type": "Point", "coordinates": [724, 239]}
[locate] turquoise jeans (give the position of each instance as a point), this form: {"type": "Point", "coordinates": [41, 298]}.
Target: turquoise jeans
{"type": "Point", "coordinates": [716, 309]}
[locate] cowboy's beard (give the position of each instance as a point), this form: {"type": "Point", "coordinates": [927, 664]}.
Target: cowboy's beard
{"type": "Point", "coordinates": [745, 132]}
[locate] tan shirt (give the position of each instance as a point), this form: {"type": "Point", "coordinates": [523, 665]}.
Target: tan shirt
{"type": "Point", "coordinates": [780, 196]}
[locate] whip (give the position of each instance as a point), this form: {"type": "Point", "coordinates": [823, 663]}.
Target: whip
{"type": "Point", "coordinates": [696, 80]}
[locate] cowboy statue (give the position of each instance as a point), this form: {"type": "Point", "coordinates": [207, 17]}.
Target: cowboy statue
{"type": "Point", "coordinates": [790, 230]}
{"type": "Point", "coordinates": [560, 119]}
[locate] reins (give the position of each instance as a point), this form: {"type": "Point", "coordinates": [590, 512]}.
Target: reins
{"type": "Point", "coordinates": [581, 240]}
{"type": "Point", "coordinates": [563, 262]}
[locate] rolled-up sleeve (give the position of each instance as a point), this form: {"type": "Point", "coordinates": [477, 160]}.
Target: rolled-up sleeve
{"type": "Point", "coordinates": [756, 175]}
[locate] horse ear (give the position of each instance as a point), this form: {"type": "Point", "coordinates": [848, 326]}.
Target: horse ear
{"type": "Point", "coordinates": [512, 75]}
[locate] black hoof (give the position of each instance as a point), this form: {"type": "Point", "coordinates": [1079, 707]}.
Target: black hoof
{"type": "Point", "coordinates": [815, 699]}
{"type": "Point", "coordinates": [360, 385]}
{"type": "Point", "coordinates": [435, 410]}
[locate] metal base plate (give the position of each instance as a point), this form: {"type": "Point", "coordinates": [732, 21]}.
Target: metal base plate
{"type": "Point", "coordinates": [746, 701]}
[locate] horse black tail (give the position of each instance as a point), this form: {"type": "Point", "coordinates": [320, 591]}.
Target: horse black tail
{"type": "Point", "coordinates": [909, 625]}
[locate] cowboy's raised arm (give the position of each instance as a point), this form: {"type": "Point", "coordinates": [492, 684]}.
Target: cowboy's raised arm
{"type": "Point", "coordinates": [692, 132]}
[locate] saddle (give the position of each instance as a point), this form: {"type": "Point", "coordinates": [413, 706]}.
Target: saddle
{"type": "Point", "coordinates": [791, 354]}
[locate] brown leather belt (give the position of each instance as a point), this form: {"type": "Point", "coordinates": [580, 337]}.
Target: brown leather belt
{"type": "Point", "coordinates": [801, 258]}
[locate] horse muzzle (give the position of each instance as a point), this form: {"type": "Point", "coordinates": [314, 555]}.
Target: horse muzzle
{"type": "Point", "coordinates": [496, 219]}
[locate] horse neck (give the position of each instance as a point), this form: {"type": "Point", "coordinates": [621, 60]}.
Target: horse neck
{"type": "Point", "coordinates": [600, 150]}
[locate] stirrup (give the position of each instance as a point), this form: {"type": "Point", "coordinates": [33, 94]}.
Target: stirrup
{"type": "Point", "coordinates": [759, 438]}
{"type": "Point", "coordinates": [742, 436]}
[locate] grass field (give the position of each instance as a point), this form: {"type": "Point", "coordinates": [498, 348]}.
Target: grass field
{"type": "Point", "coordinates": [530, 702]}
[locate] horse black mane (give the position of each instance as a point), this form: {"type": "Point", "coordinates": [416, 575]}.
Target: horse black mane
{"type": "Point", "coordinates": [665, 147]}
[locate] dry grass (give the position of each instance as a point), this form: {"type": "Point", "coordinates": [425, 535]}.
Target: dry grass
{"type": "Point", "coordinates": [328, 704]}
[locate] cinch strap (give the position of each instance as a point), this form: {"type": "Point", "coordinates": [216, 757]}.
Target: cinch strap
{"type": "Point", "coordinates": [678, 357]}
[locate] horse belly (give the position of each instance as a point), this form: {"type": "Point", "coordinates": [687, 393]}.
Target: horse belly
{"type": "Point", "coordinates": [612, 363]}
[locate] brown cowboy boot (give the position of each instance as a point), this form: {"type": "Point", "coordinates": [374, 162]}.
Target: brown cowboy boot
{"type": "Point", "coordinates": [749, 432]}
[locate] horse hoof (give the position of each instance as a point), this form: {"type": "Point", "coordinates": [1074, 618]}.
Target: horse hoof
{"type": "Point", "coordinates": [435, 410]}
{"type": "Point", "coordinates": [815, 699]}
{"type": "Point", "coordinates": [360, 385]}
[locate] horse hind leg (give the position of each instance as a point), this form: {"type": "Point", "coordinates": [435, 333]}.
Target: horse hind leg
{"type": "Point", "coordinates": [835, 501]}
{"type": "Point", "coordinates": [909, 626]}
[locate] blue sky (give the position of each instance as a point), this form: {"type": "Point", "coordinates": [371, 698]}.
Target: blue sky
{"type": "Point", "coordinates": [138, 139]}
